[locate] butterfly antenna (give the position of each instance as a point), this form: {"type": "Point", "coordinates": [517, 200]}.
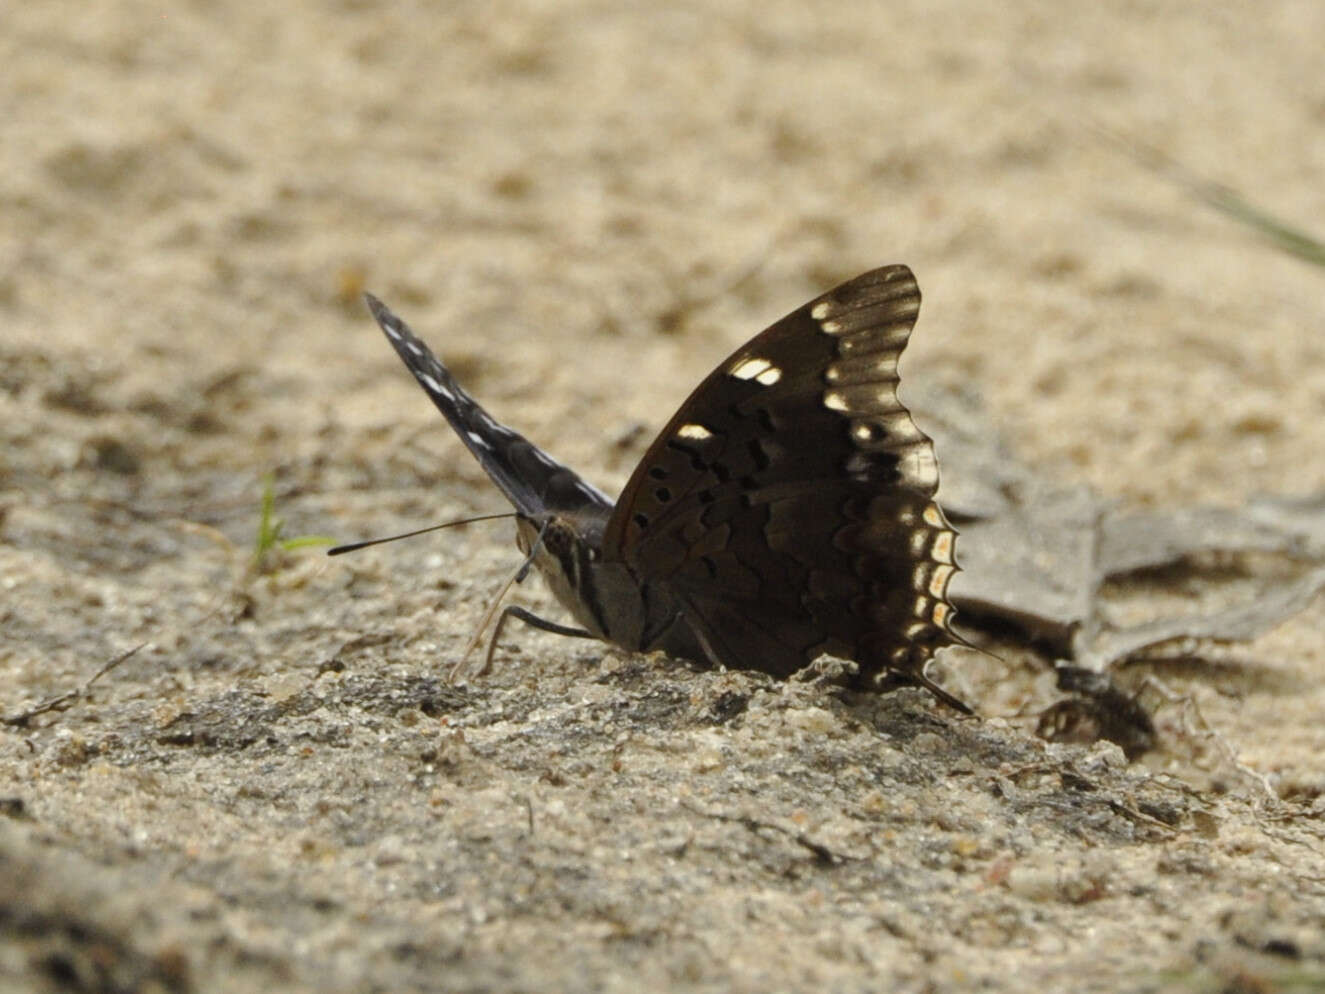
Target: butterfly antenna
{"type": "Point", "coordinates": [356, 546]}
{"type": "Point", "coordinates": [517, 576]}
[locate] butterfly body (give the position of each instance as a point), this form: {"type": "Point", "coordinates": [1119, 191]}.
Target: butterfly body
{"type": "Point", "coordinates": [604, 597]}
{"type": "Point", "coordinates": [786, 511]}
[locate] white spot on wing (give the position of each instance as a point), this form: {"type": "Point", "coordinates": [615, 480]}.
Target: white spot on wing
{"type": "Point", "coordinates": [769, 376]}
{"type": "Point", "coordinates": [938, 584]}
{"type": "Point", "coordinates": [942, 551]}
{"type": "Point", "coordinates": [436, 387]}
{"type": "Point", "coordinates": [697, 433]}
{"type": "Point", "coordinates": [493, 427]}
{"type": "Point", "coordinates": [865, 432]}
{"type": "Point", "coordinates": [921, 468]}
{"type": "Point", "coordinates": [478, 440]}
{"type": "Point", "coordinates": [748, 369]}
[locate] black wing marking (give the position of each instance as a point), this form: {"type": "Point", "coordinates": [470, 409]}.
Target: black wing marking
{"type": "Point", "coordinates": [531, 479]}
{"type": "Point", "coordinates": [788, 504]}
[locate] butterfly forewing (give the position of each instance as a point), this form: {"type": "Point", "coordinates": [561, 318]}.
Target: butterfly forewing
{"type": "Point", "coordinates": [786, 510]}
{"type": "Point", "coordinates": [531, 479]}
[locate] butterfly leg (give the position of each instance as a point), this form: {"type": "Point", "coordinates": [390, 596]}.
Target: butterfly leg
{"type": "Point", "coordinates": [907, 678]}
{"type": "Point", "coordinates": [533, 621]}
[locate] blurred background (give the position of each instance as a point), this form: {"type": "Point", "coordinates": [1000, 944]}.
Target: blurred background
{"type": "Point", "coordinates": [584, 206]}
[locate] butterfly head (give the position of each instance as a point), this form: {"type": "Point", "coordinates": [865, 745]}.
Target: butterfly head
{"type": "Point", "coordinates": [565, 549]}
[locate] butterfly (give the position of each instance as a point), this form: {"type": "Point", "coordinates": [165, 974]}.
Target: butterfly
{"type": "Point", "coordinates": [785, 512]}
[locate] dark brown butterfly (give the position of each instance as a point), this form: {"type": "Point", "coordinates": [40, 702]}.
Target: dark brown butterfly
{"type": "Point", "coordinates": [785, 512]}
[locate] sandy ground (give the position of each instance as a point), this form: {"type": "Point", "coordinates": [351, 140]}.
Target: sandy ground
{"type": "Point", "coordinates": [584, 207]}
